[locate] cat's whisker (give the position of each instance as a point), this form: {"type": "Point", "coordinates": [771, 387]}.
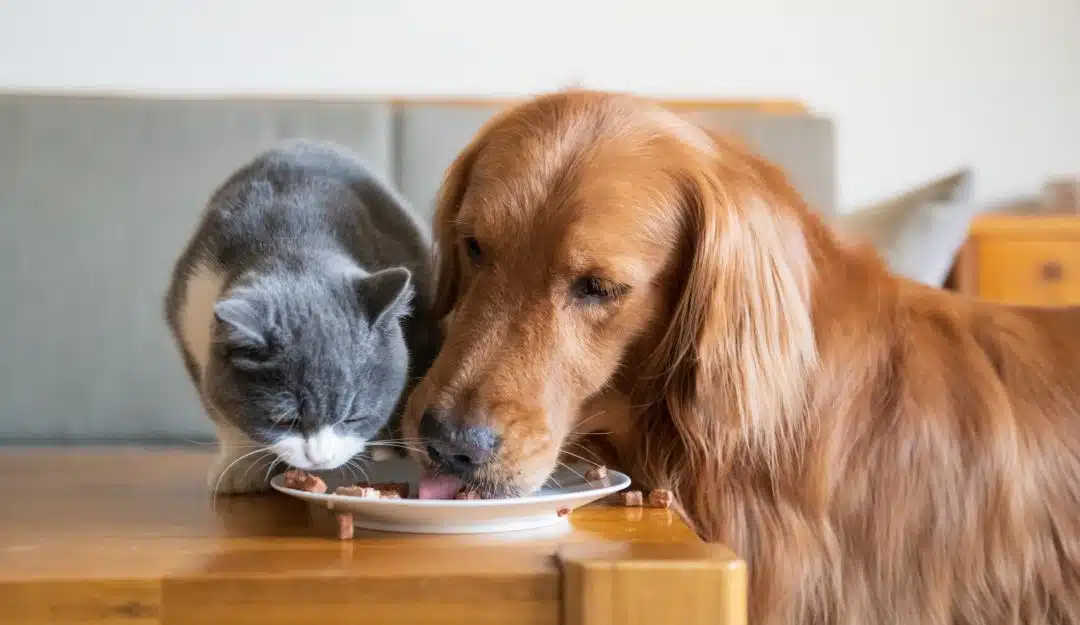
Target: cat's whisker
{"type": "Point", "coordinates": [584, 449]}
{"type": "Point", "coordinates": [350, 467]}
{"type": "Point", "coordinates": [189, 441]}
{"type": "Point", "coordinates": [352, 464]}
{"type": "Point", "coordinates": [273, 463]}
{"type": "Point", "coordinates": [571, 469]}
{"type": "Point", "coordinates": [589, 418]}
{"type": "Point", "coordinates": [217, 484]}
{"type": "Point", "coordinates": [395, 446]}
{"type": "Point", "coordinates": [217, 444]}
{"type": "Point", "coordinates": [399, 440]}
{"type": "Point", "coordinates": [354, 470]}
{"type": "Point", "coordinates": [581, 458]}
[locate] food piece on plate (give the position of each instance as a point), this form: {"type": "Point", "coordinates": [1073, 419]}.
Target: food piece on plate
{"type": "Point", "coordinates": [596, 474]}
{"type": "Point", "coordinates": [661, 498]}
{"type": "Point", "coordinates": [438, 487]}
{"type": "Point", "coordinates": [632, 498]}
{"type": "Point", "coordinates": [467, 494]}
{"type": "Point", "coordinates": [363, 492]}
{"type": "Point", "coordinates": [387, 490]}
{"type": "Point", "coordinates": [302, 480]}
{"type": "Point", "coordinates": [562, 511]}
{"type": "Point", "coordinates": [400, 490]}
{"type": "Point", "coordinates": [345, 525]}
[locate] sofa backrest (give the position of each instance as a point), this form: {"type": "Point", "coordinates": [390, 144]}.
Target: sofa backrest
{"type": "Point", "coordinates": [99, 195]}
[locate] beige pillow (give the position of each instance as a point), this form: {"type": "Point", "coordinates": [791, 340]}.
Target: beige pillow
{"type": "Point", "coordinates": [918, 232]}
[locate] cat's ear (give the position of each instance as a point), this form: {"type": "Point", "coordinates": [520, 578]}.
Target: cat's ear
{"type": "Point", "coordinates": [386, 294]}
{"type": "Point", "coordinates": [243, 330]}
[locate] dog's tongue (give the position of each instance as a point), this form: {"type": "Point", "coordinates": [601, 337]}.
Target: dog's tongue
{"type": "Point", "coordinates": [438, 486]}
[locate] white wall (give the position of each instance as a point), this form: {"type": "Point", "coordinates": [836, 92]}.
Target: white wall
{"type": "Point", "coordinates": [916, 86]}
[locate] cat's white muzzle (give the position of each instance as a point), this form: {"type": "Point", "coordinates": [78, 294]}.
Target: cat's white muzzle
{"type": "Point", "coordinates": [322, 451]}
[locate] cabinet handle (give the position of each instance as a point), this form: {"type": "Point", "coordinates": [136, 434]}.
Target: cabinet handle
{"type": "Point", "coordinates": [1052, 271]}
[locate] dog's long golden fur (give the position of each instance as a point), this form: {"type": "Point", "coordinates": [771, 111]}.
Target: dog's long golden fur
{"type": "Point", "coordinates": [878, 451]}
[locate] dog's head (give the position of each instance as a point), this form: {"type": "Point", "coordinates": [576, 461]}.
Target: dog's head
{"type": "Point", "coordinates": [592, 241]}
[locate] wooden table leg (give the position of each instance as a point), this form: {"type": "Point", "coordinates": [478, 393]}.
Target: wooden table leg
{"type": "Point", "coordinates": [650, 583]}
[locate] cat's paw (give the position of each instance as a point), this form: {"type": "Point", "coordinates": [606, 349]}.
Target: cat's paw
{"type": "Point", "coordinates": [230, 475]}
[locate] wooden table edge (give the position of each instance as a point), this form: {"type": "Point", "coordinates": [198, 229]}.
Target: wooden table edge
{"type": "Point", "coordinates": [583, 582]}
{"type": "Point", "coordinates": [685, 583]}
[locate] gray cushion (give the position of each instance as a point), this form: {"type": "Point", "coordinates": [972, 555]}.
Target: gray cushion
{"type": "Point", "coordinates": [802, 145]}
{"type": "Point", "coordinates": [430, 136]}
{"type": "Point", "coordinates": [97, 198]}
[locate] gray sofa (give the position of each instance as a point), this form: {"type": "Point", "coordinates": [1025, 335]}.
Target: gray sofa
{"type": "Point", "coordinates": [98, 195]}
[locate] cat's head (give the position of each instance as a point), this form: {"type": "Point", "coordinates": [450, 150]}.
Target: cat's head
{"type": "Point", "coordinates": [311, 366]}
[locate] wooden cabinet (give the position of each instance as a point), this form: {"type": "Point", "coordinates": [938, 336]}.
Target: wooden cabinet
{"type": "Point", "coordinates": [1025, 260]}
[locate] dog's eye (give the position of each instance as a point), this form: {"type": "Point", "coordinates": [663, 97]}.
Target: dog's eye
{"type": "Point", "coordinates": [593, 290]}
{"type": "Point", "coordinates": [472, 248]}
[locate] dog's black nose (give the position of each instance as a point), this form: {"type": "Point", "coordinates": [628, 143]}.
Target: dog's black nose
{"type": "Point", "coordinates": [457, 449]}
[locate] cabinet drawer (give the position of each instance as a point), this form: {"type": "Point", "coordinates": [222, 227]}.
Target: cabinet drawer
{"type": "Point", "coordinates": [1029, 272]}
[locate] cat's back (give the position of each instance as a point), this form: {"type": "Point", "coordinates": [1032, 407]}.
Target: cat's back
{"type": "Point", "coordinates": [318, 192]}
{"type": "Point", "coordinates": [295, 190]}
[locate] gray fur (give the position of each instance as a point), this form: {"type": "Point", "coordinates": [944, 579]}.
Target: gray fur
{"type": "Point", "coordinates": [323, 318]}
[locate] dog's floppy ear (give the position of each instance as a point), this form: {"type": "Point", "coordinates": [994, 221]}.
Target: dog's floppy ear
{"type": "Point", "coordinates": [735, 358]}
{"type": "Point", "coordinates": [447, 204]}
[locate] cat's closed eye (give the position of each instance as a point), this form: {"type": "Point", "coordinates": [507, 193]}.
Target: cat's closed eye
{"type": "Point", "coordinates": [247, 353]}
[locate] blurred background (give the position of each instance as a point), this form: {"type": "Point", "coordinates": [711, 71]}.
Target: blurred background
{"type": "Point", "coordinates": [912, 122]}
{"type": "Point", "coordinates": [914, 87]}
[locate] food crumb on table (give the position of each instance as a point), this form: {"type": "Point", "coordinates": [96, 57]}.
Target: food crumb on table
{"type": "Point", "coordinates": [562, 512]}
{"type": "Point", "coordinates": [345, 525]}
{"type": "Point", "coordinates": [661, 498]}
{"type": "Point", "coordinates": [632, 498]}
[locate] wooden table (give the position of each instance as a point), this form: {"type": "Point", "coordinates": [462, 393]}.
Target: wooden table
{"type": "Point", "coordinates": [131, 536]}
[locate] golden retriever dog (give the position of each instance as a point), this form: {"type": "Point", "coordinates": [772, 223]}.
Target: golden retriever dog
{"type": "Point", "coordinates": [878, 451]}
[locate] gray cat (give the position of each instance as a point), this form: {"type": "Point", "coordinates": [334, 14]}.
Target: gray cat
{"type": "Point", "coordinates": [300, 306]}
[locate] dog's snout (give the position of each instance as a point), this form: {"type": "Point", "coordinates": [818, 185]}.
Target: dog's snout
{"type": "Point", "coordinates": [457, 449]}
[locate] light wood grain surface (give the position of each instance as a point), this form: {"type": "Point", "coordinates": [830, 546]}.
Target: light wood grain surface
{"type": "Point", "coordinates": [1024, 260]}
{"type": "Point", "coordinates": [131, 536]}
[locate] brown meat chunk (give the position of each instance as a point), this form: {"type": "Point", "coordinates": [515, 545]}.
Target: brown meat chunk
{"type": "Point", "coordinates": [632, 498]}
{"type": "Point", "coordinates": [596, 474]}
{"type": "Point", "coordinates": [302, 480]}
{"type": "Point", "coordinates": [345, 526]}
{"type": "Point", "coordinates": [401, 489]}
{"type": "Point", "coordinates": [467, 495]}
{"type": "Point", "coordinates": [363, 492]}
{"type": "Point", "coordinates": [661, 498]}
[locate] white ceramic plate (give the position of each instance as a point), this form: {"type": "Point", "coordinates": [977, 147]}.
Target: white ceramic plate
{"type": "Point", "coordinates": [566, 490]}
